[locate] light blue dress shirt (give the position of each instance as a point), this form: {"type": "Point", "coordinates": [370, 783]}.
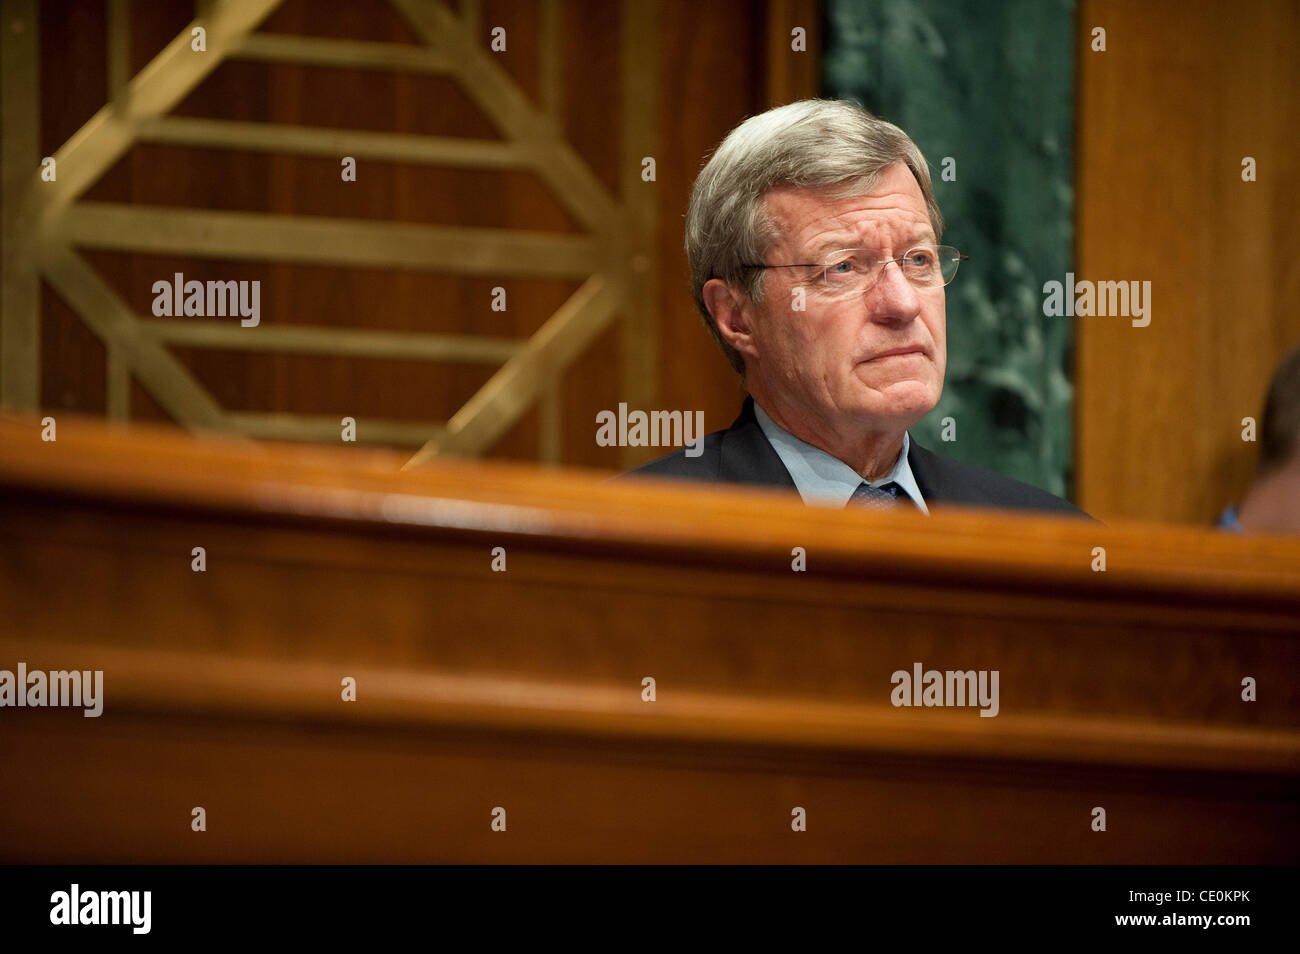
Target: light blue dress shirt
{"type": "Point", "coordinates": [1228, 520]}
{"type": "Point", "coordinates": [826, 481]}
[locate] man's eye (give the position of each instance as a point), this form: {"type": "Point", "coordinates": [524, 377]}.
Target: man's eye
{"type": "Point", "coordinates": [922, 258]}
{"type": "Point", "coordinates": [842, 268]}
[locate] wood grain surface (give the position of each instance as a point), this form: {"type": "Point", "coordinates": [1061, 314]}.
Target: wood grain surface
{"type": "Point", "coordinates": [523, 689]}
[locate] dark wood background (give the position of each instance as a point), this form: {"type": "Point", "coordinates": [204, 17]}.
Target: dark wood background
{"type": "Point", "coordinates": [711, 61]}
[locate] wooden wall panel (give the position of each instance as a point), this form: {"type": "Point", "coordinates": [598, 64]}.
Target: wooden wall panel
{"type": "Point", "coordinates": [1182, 93]}
{"type": "Point", "coordinates": [694, 118]}
{"type": "Point", "coordinates": [711, 75]}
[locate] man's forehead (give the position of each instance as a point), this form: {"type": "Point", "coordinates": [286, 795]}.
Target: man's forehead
{"type": "Point", "coordinates": [815, 218]}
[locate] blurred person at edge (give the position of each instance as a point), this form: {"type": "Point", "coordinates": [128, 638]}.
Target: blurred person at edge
{"type": "Point", "coordinates": [1272, 503]}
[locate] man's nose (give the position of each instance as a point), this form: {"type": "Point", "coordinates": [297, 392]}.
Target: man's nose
{"type": "Point", "coordinates": [893, 299]}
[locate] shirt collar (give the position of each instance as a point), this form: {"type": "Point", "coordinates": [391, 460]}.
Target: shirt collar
{"type": "Point", "coordinates": [826, 481]}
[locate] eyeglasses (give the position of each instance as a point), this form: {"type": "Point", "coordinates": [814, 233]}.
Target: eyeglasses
{"type": "Point", "coordinates": [854, 270]}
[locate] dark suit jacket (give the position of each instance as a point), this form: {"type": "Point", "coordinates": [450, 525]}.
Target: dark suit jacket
{"type": "Point", "coordinates": [742, 455]}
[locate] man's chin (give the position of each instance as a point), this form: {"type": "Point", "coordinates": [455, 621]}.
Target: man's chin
{"type": "Point", "coordinates": [899, 399]}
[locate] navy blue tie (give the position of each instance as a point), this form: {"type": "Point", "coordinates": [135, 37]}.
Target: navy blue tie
{"type": "Point", "coordinates": [886, 497]}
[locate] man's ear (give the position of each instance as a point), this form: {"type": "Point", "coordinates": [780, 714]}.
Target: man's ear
{"type": "Point", "coordinates": [733, 314]}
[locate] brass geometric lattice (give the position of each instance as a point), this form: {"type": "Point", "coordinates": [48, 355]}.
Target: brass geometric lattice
{"type": "Point", "coordinates": [613, 255]}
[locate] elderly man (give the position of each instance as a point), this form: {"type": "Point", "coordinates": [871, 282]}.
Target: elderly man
{"type": "Point", "coordinates": [813, 240]}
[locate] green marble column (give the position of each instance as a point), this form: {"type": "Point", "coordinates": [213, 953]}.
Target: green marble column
{"type": "Point", "coordinates": [991, 86]}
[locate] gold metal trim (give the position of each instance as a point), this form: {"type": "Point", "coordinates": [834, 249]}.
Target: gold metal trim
{"type": "Point", "coordinates": [260, 236]}
{"type": "Point", "coordinates": [613, 256]}
{"type": "Point", "coordinates": [352, 342]}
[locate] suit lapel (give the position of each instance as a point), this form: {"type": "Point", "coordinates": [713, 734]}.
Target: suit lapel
{"type": "Point", "coordinates": [934, 480]}
{"type": "Point", "coordinates": [747, 457]}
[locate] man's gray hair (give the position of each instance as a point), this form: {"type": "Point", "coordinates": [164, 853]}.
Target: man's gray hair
{"type": "Point", "coordinates": [814, 143]}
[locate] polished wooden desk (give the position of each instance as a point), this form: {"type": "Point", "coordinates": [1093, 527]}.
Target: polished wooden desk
{"type": "Point", "coordinates": [522, 689]}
